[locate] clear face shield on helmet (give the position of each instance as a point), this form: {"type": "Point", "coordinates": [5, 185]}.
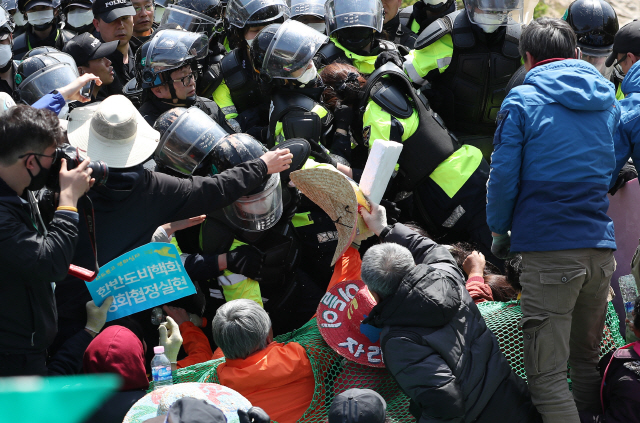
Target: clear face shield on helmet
{"type": "Point", "coordinates": [492, 14]}
{"type": "Point", "coordinates": [259, 211]}
{"type": "Point", "coordinates": [191, 21]}
{"type": "Point", "coordinates": [307, 7]}
{"type": "Point", "coordinates": [171, 49]}
{"type": "Point", "coordinates": [291, 50]}
{"type": "Point", "coordinates": [597, 57]}
{"type": "Point", "coordinates": [239, 13]}
{"type": "Point", "coordinates": [42, 82]}
{"type": "Point", "coordinates": [353, 13]}
{"type": "Point", "coordinates": [188, 140]}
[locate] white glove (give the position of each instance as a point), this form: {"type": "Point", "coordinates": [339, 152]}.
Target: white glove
{"type": "Point", "coordinates": [170, 339]}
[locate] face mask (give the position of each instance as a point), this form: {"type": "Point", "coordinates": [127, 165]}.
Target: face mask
{"type": "Point", "coordinates": [5, 55]}
{"type": "Point", "coordinates": [489, 23]}
{"type": "Point", "coordinates": [18, 18]}
{"type": "Point", "coordinates": [249, 42]}
{"type": "Point", "coordinates": [433, 2]}
{"type": "Point", "coordinates": [157, 15]}
{"type": "Point", "coordinates": [80, 17]}
{"type": "Point", "coordinates": [40, 18]}
{"type": "Point", "coordinates": [38, 181]}
{"type": "Point", "coordinates": [308, 75]}
{"type": "Point", "coordinates": [320, 27]}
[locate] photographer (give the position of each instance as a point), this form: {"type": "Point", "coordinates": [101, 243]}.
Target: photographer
{"type": "Point", "coordinates": [33, 255]}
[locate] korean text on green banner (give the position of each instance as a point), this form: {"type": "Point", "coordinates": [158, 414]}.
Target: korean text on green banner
{"type": "Point", "coordinates": [143, 278]}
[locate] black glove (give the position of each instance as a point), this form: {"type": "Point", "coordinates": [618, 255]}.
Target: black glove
{"type": "Point", "coordinates": [259, 133]}
{"type": "Point", "coordinates": [245, 260]}
{"type": "Point", "coordinates": [254, 415]}
{"type": "Point", "coordinates": [249, 118]}
{"type": "Point", "coordinates": [393, 212]}
{"type": "Point", "coordinates": [343, 116]}
{"type": "Point", "coordinates": [627, 173]}
{"type": "Point", "coordinates": [321, 154]}
{"type": "Point", "coordinates": [387, 56]}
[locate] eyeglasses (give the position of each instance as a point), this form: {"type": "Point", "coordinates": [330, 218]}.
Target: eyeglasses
{"type": "Point", "coordinates": [54, 156]}
{"type": "Point", "coordinates": [186, 80]}
{"type": "Point", "coordinates": [147, 8]}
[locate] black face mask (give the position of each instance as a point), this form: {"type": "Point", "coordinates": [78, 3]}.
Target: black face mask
{"type": "Point", "coordinates": [43, 26]}
{"type": "Point", "coordinates": [38, 182]}
{"type": "Point", "coordinates": [355, 39]}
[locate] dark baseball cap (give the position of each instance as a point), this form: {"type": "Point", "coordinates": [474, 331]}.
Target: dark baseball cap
{"type": "Point", "coordinates": [85, 47]}
{"type": "Point", "coordinates": [25, 5]}
{"type": "Point", "coordinates": [627, 40]}
{"type": "Point", "coordinates": [358, 405]}
{"type": "Point", "coordinates": [110, 10]}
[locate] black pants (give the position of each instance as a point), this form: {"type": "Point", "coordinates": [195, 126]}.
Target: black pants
{"type": "Point", "coordinates": [23, 364]}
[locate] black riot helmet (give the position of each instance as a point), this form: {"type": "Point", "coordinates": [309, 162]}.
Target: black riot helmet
{"type": "Point", "coordinates": [354, 23]}
{"type": "Point", "coordinates": [195, 16]}
{"type": "Point", "coordinates": [260, 209]}
{"type": "Point", "coordinates": [40, 50]}
{"type": "Point", "coordinates": [595, 23]}
{"type": "Point", "coordinates": [241, 14]}
{"type": "Point", "coordinates": [261, 44]}
{"type": "Point", "coordinates": [39, 75]}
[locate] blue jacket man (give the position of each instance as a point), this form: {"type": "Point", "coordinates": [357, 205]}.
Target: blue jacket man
{"type": "Point", "coordinates": [551, 167]}
{"type": "Point", "coordinates": [627, 139]}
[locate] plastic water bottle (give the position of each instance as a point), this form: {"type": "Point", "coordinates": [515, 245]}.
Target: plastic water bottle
{"type": "Point", "coordinates": [161, 369]}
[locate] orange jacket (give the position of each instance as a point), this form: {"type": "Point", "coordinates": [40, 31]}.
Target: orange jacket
{"type": "Point", "coordinates": [195, 344]}
{"type": "Point", "coordinates": [278, 379]}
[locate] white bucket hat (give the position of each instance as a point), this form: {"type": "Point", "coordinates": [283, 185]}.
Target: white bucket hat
{"type": "Point", "coordinates": [114, 132]}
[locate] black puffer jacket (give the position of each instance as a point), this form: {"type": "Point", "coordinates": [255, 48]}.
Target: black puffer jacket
{"type": "Point", "coordinates": [437, 346]}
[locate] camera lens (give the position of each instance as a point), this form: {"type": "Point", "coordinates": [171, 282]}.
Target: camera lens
{"type": "Point", "coordinates": [100, 172]}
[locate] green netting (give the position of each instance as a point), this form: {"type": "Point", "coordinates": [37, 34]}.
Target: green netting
{"type": "Point", "coordinates": [334, 374]}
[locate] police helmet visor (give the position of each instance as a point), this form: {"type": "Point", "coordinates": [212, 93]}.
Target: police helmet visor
{"type": "Point", "coordinates": [42, 82]}
{"type": "Point", "coordinates": [291, 50]}
{"type": "Point", "coordinates": [307, 7]}
{"type": "Point", "coordinates": [9, 5]}
{"type": "Point", "coordinates": [241, 13]}
{"type": "Point", "coordinates": [190, 20]}
{"type": "Point", "coordinates": [172, 48]}
{"type": "Point", "coordinates": [495, 12]}
{"type": "Point", "coordinates": [5, 21]}
{"type": "Point", "coordinates": [188, 140]}
{"type": "Point", "coordinates": [341, 14]}
{"type": "Point", "coordinates": [598, 61]}
{"type": "Point", "coordinates": [260, 211]}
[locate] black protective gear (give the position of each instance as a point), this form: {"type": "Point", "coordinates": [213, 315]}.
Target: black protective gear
{"type": "Point", "coordinates": [321, 155]}
{"type": "Point", "coordinates": [355, 38]}
{"type": "Point", "coordinates": [393, 212]}
{"type": "Point", "coordinates": [232, 151]}
{"type": "Point", "coordinates": [343, 116]}
{"type": "Point", "coordinates": [392, 56]}
{"type": "Point", "coordinates": [594, 21]}
{"type": "Point", "coordinates": [254, 415]}
{"type": "Point", "coordinates": [246, 260]}
{"type": "Point", "coordinates": [245, 90]}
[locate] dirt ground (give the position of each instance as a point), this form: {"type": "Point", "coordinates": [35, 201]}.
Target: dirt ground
{"type": "Point", "coordinates": [627, 10]}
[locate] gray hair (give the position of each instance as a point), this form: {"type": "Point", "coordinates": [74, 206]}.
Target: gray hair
{"type": "Point", "coordinates": [384, 266]}
{"type": "Point", "coordinates": [240, 328]}
{"type": "Point", "coordinates": [548, 38]}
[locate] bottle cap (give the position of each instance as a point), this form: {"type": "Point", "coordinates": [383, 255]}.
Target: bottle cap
{"type": "Point", "coordinates": [158, 350]}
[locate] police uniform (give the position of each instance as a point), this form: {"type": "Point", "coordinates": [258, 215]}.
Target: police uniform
{"type": "Point", "coordinates": [468, 71]}
{"type": "Point", "coordinates": [418, 16]}
{"type": "Point", "coordinates": [27, 41]}
{"type": "Point", "coordinates": [398, 33]}
{"type": "Point", "coordinates": [448, 180]}
{"type": "Point", "coordinates": [238, 90]}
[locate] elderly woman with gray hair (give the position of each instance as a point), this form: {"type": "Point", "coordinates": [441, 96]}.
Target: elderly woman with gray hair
{"type": "Point", "coordinates": [276, 377]}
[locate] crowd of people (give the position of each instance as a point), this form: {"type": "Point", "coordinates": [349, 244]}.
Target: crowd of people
{"type": "Point", "coordinates": [239, 131]}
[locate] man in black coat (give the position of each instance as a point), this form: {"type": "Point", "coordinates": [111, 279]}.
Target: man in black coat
{"type": "Point", "coordinates": [434, 341]}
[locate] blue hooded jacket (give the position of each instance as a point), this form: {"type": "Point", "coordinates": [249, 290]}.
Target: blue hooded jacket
{"type": "Point", "coordinates": [627, 139]}
{"type": "Point", "coordinates": [553, 160]}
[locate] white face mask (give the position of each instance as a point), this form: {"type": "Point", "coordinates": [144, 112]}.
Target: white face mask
{"type": "Point", "coordinates": [308, 75]}
{"type": "Point", "coordinates": [5, 54]}
{"type": "Point", "coordinates": [80, 17]}
{"type": "Point", "coordinates": [488, 22]}
{"type": "Point", "coordinates": [157, 15]}
{"type": "Point", "coordinates": [320, 27]}
{"type": "Point", "coordinates": [40, 18]}
{"type": "Point", "coordinates": [433, 2]}
{"type": "Point", "coordinates": [18, 18]}
{"type": "Point", "coordinates": [250, 41]}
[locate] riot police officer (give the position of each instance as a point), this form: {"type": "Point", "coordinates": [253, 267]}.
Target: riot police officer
{"type": "Point", "coordinates": [355, 29]}
{"type": "Point", "coordinates": [11, 6]}
{"type": "Point", "coordinates": [309, 12]}
{"type": "Point", "coordinates": [7, 66]}
{"type": "Point", "coordinates": [166, 71]}
{"type": "Point", "coordinates": [238, 93]}
{"type": "Point", "coordinates": [468, 58]}
{"type": "Point", "coordinates": [595, 23]}
{"type": "Point", "coordinates": [79, 17]}
{"type": "Point", "coordinates": [41, 29]}
{"type": "Point", "coordinates": [422, 13]}
{"type": "Point", "coordinates": [394, 29]}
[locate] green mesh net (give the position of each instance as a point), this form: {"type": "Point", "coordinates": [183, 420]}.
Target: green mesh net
{"type": "Point", "coordinates": [334, 374]}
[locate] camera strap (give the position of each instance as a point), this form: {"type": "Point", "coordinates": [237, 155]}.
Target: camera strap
{"type": "Point", "coordinates": [89, 217]}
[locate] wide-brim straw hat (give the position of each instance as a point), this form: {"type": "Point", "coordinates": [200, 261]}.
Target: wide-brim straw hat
{"type": "Point", "coordinates": [112, 131]}
{"type": "Point", "coordinates": [333, 193]}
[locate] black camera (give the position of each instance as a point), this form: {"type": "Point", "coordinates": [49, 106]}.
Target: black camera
{"type": "Point", "coordinates": [100, 170]}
